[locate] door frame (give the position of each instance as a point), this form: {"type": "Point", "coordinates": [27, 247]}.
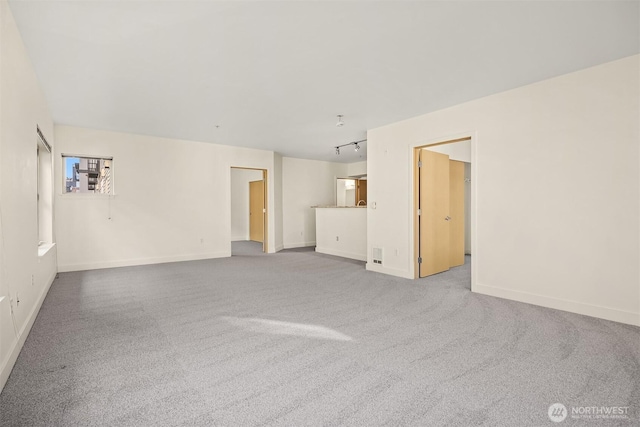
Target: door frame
{"type": "Point", "coordinates": [414, 202]}
{"type": "Point", "coordinates": [265, 237]}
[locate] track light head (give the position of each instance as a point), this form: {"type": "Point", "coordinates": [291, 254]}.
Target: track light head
{"type": "Point", "coordinates": [356, 145]}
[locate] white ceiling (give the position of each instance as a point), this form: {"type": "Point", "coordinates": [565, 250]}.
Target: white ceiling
{"type": "Point", "coordinates": [274, 75]}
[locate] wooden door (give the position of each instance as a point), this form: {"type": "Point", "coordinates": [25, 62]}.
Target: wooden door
{"type": "Point", "coordinates": [434, 213]}
{"type": "Point", "coordinates": [456, 212]}
{"type": "Point", "coordinates": [256, 211]}
{"type": "Point", "coordinates": [361, 193]}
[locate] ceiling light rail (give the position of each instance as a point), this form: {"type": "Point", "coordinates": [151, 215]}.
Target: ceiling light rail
{"type": "Point", "coordinates": [356, 145]}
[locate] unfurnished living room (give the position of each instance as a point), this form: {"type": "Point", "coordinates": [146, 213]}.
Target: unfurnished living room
{"type": "Point", "coordinates": [319, 213]}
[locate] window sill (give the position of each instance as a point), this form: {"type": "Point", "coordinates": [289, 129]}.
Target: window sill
{"type": "Point", "coordinates": [44, 248]}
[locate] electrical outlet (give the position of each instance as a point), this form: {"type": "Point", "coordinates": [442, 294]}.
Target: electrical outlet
{"type": "Point", "coordinates": [337, 238]}
{"type": "Point", "coordinates": [33, 280]}
{"type": "Point", "coordinates": [201, 241]}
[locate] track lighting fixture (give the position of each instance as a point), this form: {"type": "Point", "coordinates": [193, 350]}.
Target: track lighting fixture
{"type": "Point", "coordinates": [356, 145]}
{"type": "Point", "coordinates": [340, 122]}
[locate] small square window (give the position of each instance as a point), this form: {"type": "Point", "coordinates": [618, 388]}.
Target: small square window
{"type": "Point", "coordinates": [88, 174]}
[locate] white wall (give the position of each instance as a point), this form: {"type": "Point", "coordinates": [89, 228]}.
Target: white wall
{"type": "Point", "coordinates": [555, 184]}
{"type": "Point", "coordinates": [172, 200]}
{"type": "Point", "coordinates": [356, 169]}
{"type": "Point", "coordinates": [24, 275]}
{"type": "Point", "coordinates": [306, 183]}
{"type": "Point", "coordinates": [240, 179]}
{"type": "Point", "coordinates": [342, 232]}
{"type": "Point", "coordinates": [467, 208]}
{"type": "Point", "coordinates": [345, 196]}
{"type": "Point", "coordinates": [278, 219]}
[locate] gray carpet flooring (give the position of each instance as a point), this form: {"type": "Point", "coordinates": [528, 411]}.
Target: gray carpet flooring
{"type": "Point", "coordinates": [302, 339]}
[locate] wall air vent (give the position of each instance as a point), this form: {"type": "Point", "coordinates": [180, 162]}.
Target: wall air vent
{"type": "Point", "coordinates": [377, 255]}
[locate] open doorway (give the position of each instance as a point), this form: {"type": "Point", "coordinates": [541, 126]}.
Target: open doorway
{"type": "Point", "coordinates": [351, 191]}
{"type": "Point", "coordinates": [248, 211]}
{"type": "Point", "coordinates": [443, 207]}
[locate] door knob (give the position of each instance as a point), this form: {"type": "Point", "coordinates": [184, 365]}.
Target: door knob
{"type": "Point", "coordinates": [448, 218]}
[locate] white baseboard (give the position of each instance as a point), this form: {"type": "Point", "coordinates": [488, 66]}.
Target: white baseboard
{"type": "Point", "coordinates": [390, 271]}
{"type": "Point", "coordinates": [299, 245]}
{"type": "Point", "coordinates": [279, 248]}
{"type": "Point", "coordinates": [335, 252]}
{"type": "Point", "coordinates": [141, 261]}
{"type": "Point", "coordinates": [601, 312]}
{"type": "Point", "coordinates": [12, 355]}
